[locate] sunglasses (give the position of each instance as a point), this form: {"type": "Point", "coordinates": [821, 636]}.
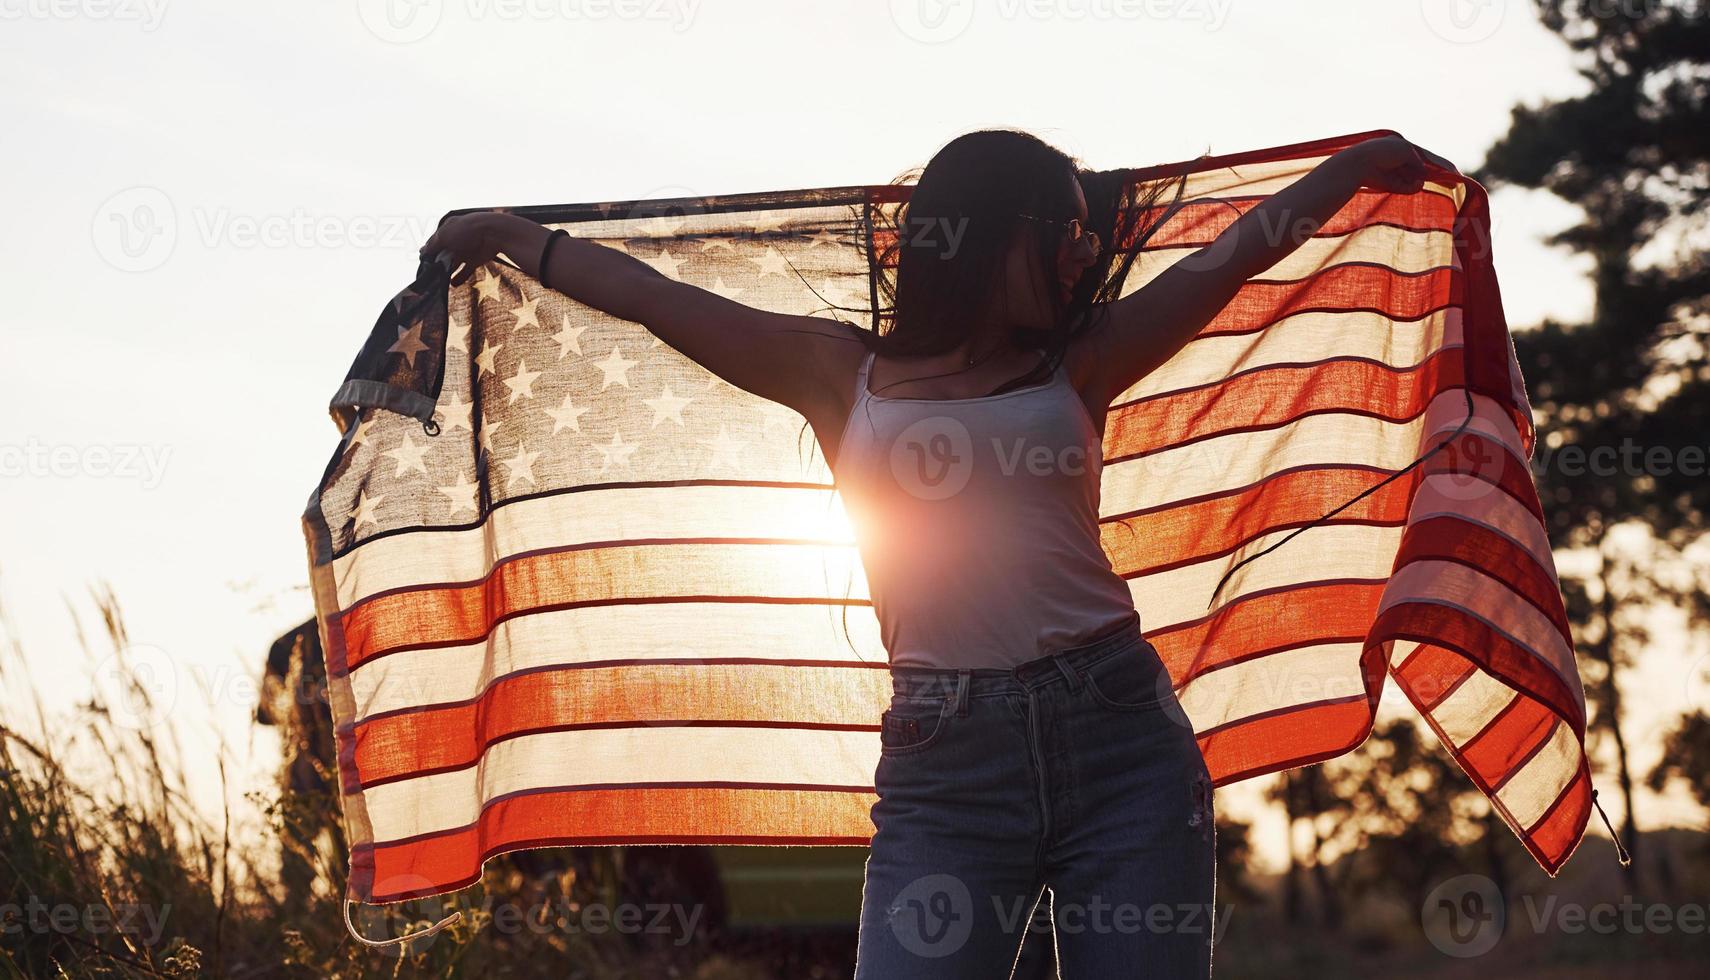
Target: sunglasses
{"type": "Point", "coordinates": [1073, 229]}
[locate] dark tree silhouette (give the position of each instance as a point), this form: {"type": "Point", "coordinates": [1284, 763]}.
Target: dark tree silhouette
{"type": "Point", "coordinates": [1622, 400]}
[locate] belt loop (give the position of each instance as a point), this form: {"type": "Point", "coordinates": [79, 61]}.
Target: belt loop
{"type": "Point", "coordinates": [962, 693]}
{"type": "Point", "coordinates": [1069, 674]}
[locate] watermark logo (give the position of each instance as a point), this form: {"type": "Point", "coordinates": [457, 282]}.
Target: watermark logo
{"type": "Point", "coordinates": [933, 915]}
{"type": "Point", "coordinates": [138, 229]}
{"type": "Point", "coordinates": [1464, 916]}
{"type": "Point", "coordinates": [376, 923]}
{"type": "Point", "coordinates": [400, 21]}
{"type": "Point", "coordinates": [135, 230]}
{"type": "Point", "coordinates": [138, 684]}
{"type": "Point", "coordinates": [933, 458]}
{"type": "Point", "coordinates": [932, 21]}
{"type": "Point", "coordinates": [1463, 21]}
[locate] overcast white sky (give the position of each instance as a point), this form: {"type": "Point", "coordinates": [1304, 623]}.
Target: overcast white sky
{"type": "Point", "coordinates": [206, 204]}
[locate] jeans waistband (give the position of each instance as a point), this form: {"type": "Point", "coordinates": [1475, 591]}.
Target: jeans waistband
{"type": "Point", "coordinates": [1063, 664]}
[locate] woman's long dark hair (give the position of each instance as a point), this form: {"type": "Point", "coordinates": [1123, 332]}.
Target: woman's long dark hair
{"type": "Point", "coordinates": [942, 257]}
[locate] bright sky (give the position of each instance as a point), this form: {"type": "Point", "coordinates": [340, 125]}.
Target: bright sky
{"type": "Point", "coordinates": [208, 203]}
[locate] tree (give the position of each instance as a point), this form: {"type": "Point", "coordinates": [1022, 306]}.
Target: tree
{"type": "Point", "coordinates": [1628, 387]}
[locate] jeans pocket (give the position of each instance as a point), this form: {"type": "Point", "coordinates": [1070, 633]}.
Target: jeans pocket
{"type": "Point", "coordinates": [912, 724]}
{"type": "Point", "coordinates": [1134, 679]}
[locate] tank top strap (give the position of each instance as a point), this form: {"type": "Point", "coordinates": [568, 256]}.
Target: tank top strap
{"type": "Point", "coordinates": [861, 375]}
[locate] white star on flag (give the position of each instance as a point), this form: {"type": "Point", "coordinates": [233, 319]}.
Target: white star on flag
{"type": "Point", "coordinates": [569, 338]}
{"type": "Point", "coordinates": [484, 360]}
{"type": "Point", "coordinates": [616, 368]}
{"type": "Point", "coordinates": [489, 429]}
{"type": "Point", "coordinates": [520, 467]}
{"type": "Point", "coordinates": [487, 285]}
{"type": "Point", "coordinates": [615, 451]}
{"type": "Point", "coordinates": [457, 335]}
{"type": "Point", "coordinates": [724, 448]}
{"type": "Point", "coordinates": [456, 414]}
{"type": "Point", "coordinates": [566, 416]}
{"type": "Point", "coordinates": [772, 263]}
{"type": "Point", "coordinates": [364, 429]}
{"type": "Point", "coordinates": [728, 292]}
{"type": "Point", "coordinates": [409, 457]}
{"type": "Point", "coordinates": [462, 494]}
{"type": "Point", "coordinates": [666, 263]}
{"type": "Point", "coordinates": [667, 406]}
{"type": "Point", "coordinates": [522, 383]}
{"type": "Point", "coordinates": [363, 512]}
{"type": "Point", "coordinates": [525, 314]}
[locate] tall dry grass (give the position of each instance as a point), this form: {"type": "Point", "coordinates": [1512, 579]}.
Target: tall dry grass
{"type": "Point", "coordinates": [107, 869]}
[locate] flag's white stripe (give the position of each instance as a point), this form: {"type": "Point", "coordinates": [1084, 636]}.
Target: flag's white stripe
{"type": "Point", "coordinates": [1400, 650]}
{"type": "Point", "coordinates": [1304, 338]}
{"type": "Point", "coordinates": [449, 675]}
{"type": "Point", "coordinates": [1470, 707]}
{"type": "Point", "coordinates": [1482, 503]}
{"type": "Point", "coordinates": [1527, 795]}
{"type": "Point", "coordinates": [1287, 678]}
{"type": "Point", "coordinates": [645, 754]}
{"type": "Point", "coordinates": [1253, 179]}
{"type": "Point", "coordinates": [1405, 250]}
{"type": "Point", "coordinates": [1331, 551]}
{"type": "Point", "coordinates": [1240, 459]}
{"type": "Point", "coordinates": [569, 519]}
{"type": "Point", "coordinates": [1484, 597]}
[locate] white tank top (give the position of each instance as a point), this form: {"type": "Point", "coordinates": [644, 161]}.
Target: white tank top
{"type": "Point", "coordinates": [977, 523]}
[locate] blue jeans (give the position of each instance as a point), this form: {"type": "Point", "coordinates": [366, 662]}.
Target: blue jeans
{"type": "Point", "coordinates": [1077, 772]}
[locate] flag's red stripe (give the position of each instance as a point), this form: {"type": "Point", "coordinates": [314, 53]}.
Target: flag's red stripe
{"type": "Point", "coordinates": [1554, 836]}
{"type": "Point", "coordinates": [1430, 674]}
{"type": "Point", "coordinates": [1285, 739]}
{"type": "Point", "coordinates": [1319, 612]}
{"type": "Point", "coordinates": [1340, 288]}
{"type": "Point", "coordinates": [617, 815]}
{"type": "Point", "coordinates": [1511, 738]}
{"type": "Point", "coordinates": [1155, 539]}
{"type": "Point", "coordinates": [1277, 395]}
{"type": "Point", "coordinates": [1203, 219]}
{"type": "Point", "coordinates": [611, 573]}
{"type": "Point", "coordinates": [441, 739]}
{"type": "Point", "coordinates": [1447, 538]}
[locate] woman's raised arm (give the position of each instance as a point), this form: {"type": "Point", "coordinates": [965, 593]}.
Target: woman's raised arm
{"type": "Point", "coordinates": [1148, 326]}
{"type": "Point", "coordinates": [796, 361]}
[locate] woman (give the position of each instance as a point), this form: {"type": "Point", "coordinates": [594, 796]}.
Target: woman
{"type": "Point", "coordinates": [1032, 737]}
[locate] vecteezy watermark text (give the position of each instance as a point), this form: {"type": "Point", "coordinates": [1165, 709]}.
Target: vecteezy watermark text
{"type": "Point", "coordinates": [103, 461]}
{"type": "Point", "coordinates": [147, 13]}
{"type": "Point", "coordinates": [146, 923]}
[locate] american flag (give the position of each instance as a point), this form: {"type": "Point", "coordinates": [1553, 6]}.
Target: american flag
{"type": "Point", "coordinates": [604, 597]}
